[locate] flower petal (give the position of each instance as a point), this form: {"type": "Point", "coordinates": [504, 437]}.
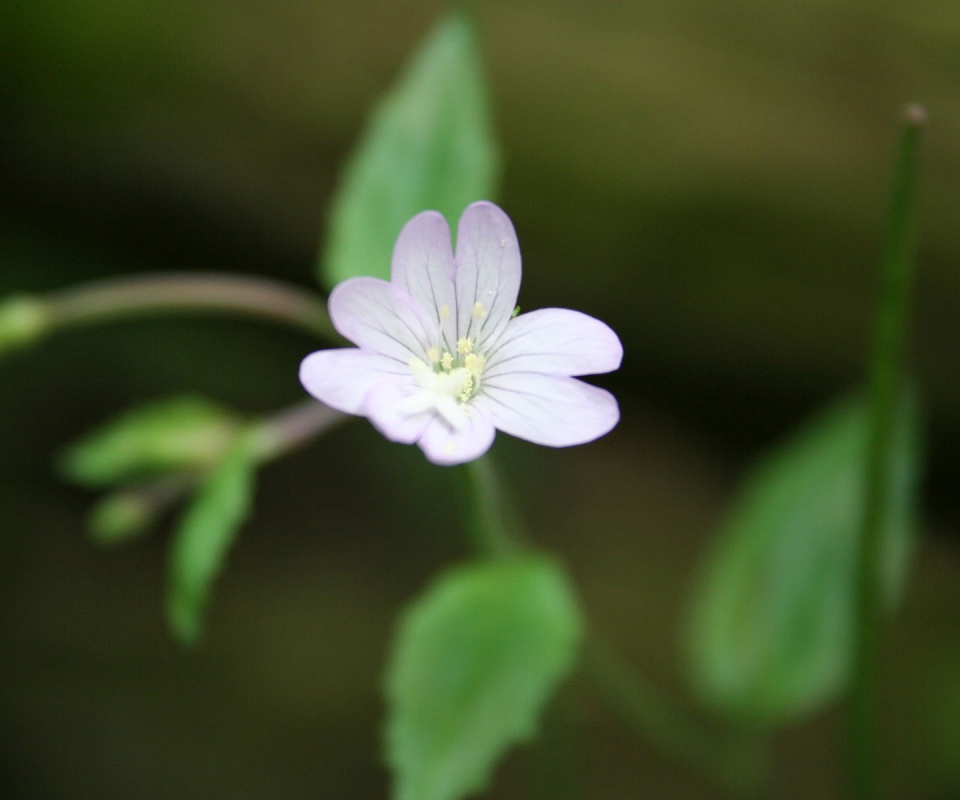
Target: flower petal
{"type": "Point", "coordinates": [342, 378]}
{"type": "Point", "coordinates": [378, 316]}
{"type": "Point", "coordinates": [446, 445]}
{"type": "Point", "coordinates": [389, 408]}
{"type": "Point", "coordinates": [488, 273]}
{"type": "Point", "coordinates": [548, 409]}
{"type": "Point", "coordinates": [423, 266]}
{"type": "Point", "coordinates": [555, 341]}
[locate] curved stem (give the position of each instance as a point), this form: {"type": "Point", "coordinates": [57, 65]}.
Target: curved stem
{"type": "Point", "coordinates": [734, 762]}
{"type": "Point", "coordinates": [885, 382]}
{"type": "Point", "coordinates": [292, 428]}
{"type": "Point", "coordinates": [231, 294]}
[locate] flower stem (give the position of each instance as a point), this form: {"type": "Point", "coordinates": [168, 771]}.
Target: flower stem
{"type": "Point", "coordinates": [150, 294]}
{"type": "Point", "coordinates": [885, 380]}
{"type": "Point", "coordinates": [293, 427]}
{"type": "Point", "coordinates": [736, 762]}
{"type": "Point", "coordinates": [493, 523]}
{"type": "Point", "coordinates": [732, 761]}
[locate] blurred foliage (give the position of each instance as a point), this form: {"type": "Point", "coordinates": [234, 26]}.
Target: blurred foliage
{"type": "Point", "coordinates": [204, 536]}
{"type": "Point", "coordinates": [476, 660]}
{"type": "Point", "coordinates": [772, 628]}
{"type": "Point", "coordinates": [166, 436]}
{"type": "Point", "coordinates": [429, 145]}
{"type": "Point", "coordinates": [724, 166]}
{"type": "Point", "coordinates": [709, 178]}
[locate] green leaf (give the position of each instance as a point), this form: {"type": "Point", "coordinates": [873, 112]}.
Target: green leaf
{"type": "Point", "coordinates": [476, 659]}
{"type": "Point", "coordinates": [772, 623]}
{"type": "Point", "coordinates": [204, 536]}
{"type": "Point", "coordinates": [183, 433]}
{"type": "Point", "coordinates": [428, 145]}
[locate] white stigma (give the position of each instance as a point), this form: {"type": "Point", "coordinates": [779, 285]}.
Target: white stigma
{"type": "Point", "coordinates": [446, 382]}
{"type": "Point", "coordinates": [442, 391]}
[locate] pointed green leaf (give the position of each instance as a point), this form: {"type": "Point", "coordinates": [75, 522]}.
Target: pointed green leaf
{"type": "Point", "coordinates": [428, 145]}
{"type": "Point", "coordinates": [204, 536]}
{"type": "Point", "coordinates": [476, 659]}
{"type": "Point", "coordinates": [183, 433]}
{"type": "Point", "coordinates": [773, 619]}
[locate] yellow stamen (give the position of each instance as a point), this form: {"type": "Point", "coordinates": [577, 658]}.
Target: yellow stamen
{"type": "Point", "coordinates": [447, 361]}
{"type": "Point", "coordinates": [464, 346]}
{"type": "Point", "coordinates": [478, 310]}
{"type": "Point", "coordinates": [433, 355]}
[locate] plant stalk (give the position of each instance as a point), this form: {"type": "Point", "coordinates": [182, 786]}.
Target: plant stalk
{"type": "Point", "coordinates": [732, 761]}
{"type": "Point", "coordinates": [189, 292]}
{"type": "Point", "coordinates": [886, 381]}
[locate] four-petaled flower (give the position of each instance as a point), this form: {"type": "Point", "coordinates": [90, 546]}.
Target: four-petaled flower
{"type": "Point", "coordinates": [442, 358]}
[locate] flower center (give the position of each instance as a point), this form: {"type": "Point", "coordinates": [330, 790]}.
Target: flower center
{"type": "Point", "coordinates": [447, 383]}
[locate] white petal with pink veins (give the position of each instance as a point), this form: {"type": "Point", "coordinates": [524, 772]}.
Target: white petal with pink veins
{"type": "Point", "coordinates": [549, 410]}
{"type": "Point", "coordinates": [423, 265]}
{"type": "Point", "coordinates": [343, 378]}
{"type": "Point", "coordinates": [383, 318]}
{"type": "Point", "coordinates": [441, 360]}
{"type": "Point", "coordinates": [394, 407]}
{"type": "Point", "coordinates": [488, 273]}
{"type": "Point", "coordinates": [556, 341]}
{"type": "Point", "coordinates": [444, 444]}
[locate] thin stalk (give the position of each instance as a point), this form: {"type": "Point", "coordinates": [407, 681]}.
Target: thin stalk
{"type": "Point", "coordinates": [492, 524]}
{"type": "Point", "coordinates": [885, 383]}
{"type": "Point", "coordinates": [736, 762]}
{"type": "Point", "coordinates": [292, 428]}
{"type": "Point", "coordinates": [731, 760]}
{"type": "Point", "coordinates": [188, 292]}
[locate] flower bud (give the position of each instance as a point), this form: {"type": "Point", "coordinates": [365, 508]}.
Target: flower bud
{"type": "Point", "coordinates": [23, 320]}
{"type": "Point", "coordinates": [121, 516]}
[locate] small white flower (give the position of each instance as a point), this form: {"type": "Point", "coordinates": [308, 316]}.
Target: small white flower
{"type": "Point", "coordinates": [441, 359]}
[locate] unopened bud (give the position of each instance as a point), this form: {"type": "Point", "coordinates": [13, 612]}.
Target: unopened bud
{"type": "Point", "coordinates": [23, 319]}
{"type": "Point", "coordinates": [121, 516]}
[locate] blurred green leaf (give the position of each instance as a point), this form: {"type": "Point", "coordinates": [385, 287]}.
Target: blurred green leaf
{"type": "Point", "coordinates": [204, 536]}
{"type": "Point", "coordinates": [428, 145]}
{"type": "Point", "coordinates": [183, 433]}
{"type": "Point", "coordinates": [476, 659]}
{"type": "Point", "coordinates": [773, 619]}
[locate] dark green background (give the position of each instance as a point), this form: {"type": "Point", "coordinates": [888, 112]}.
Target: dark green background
{"type": "Point", "coordinates": [709, 178]}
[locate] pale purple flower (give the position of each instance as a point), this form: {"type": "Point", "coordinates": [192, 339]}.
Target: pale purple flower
{"type": "Point", "coordinates": [443, 360]}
